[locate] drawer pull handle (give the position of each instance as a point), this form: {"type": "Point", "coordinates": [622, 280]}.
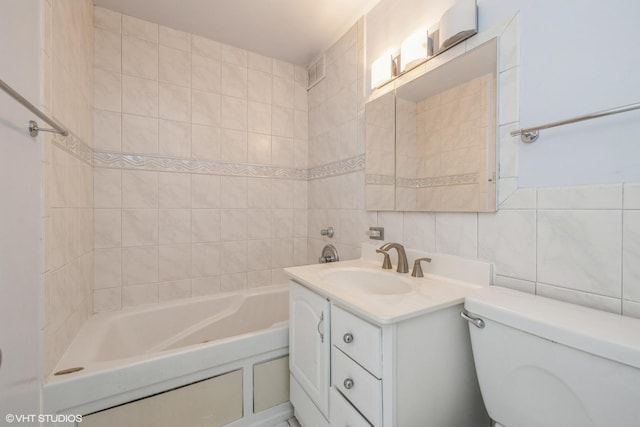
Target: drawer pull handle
{"type": "Point", "coordinates": [348, 383]}
{"type": "Point", "coordinates": [348, 337]}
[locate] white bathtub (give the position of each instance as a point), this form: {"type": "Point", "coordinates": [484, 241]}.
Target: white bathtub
{"type": "Point", "coordinates": [139, 352]}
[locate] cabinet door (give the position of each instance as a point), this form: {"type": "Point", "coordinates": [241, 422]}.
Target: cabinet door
{"type": "Point", "coordinates": [310, 344]}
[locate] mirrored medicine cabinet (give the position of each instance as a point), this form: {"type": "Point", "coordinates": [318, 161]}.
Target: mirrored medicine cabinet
{"type": "Point", "coordinates": [431, 142]}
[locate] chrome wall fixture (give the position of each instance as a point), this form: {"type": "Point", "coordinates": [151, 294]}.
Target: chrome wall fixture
{"type": "Point", "coordinates": [531, 134]}
{"type": "Point", "coordinates": [34, 129]}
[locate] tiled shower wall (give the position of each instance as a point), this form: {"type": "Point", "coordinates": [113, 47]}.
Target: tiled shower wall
{"type": "Point", "coordinates": [336, 150]}
{"type": "Point", "coordinates": [200, 165]}
{"type": "Point", "coordinates": [67, 58]}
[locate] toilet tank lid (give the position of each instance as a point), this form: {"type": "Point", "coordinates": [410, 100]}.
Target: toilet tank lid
{"type": "Point", "coordinates": [607, 335]}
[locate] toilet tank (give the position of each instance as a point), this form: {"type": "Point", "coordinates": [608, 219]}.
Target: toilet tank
{"type": "Point", "coordinates": [545, 363]}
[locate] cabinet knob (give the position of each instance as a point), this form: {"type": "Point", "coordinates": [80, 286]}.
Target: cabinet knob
{"type": "Point", "coordinates": [348, 383]}
{"type": "Point", "coordinates": [348, 337]}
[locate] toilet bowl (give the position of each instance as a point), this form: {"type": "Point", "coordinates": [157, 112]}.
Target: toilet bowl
{"type": "Point", "coordinates": [546, 363]}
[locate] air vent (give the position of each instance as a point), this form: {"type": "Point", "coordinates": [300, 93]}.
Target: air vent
{"type": "Point", "coordinates": [316, 72]}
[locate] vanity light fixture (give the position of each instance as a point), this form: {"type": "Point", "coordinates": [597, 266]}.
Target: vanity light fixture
{"type": "Point", "coordinates": [381, 70]}
{"type": "Point", "coordinates": [414, 50]}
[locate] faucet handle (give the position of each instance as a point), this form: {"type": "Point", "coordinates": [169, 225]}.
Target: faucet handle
{"type": "Point", "coordinates": [386, 264]}
{"type": "Point", "coordinates": [417, 268]}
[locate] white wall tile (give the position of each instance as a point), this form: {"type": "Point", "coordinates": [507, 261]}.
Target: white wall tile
{"type": "Point", "coordinates": [205, 286]}
{"type": "Point", "coordinates": [139, 58]}
{"type": "Point", "coordinates": [233, 282]}
{"type": "Point", "coordinates": [205, 47]}
{"type": "Point", "coordinates": [632, 195]}
{"type": "Point", "coordinates": [282, 151]}
{"type": "Point", "coordinates": [205, 225]}
{"type": "Point", "coordinates": [108, 51]}
{"type": "Point", "coordinates": [139, 134]}
{"type": "Point", "coordinates": [174, 38]}
{"type": "Point", "coordinates": [139, 28]}
{"type": "Point", "coordinates": [457, 234]}
{"type": "Point", "coordinates": [582, 197]}
{"type": "Point", "coordinates": [234, 112]}
{"type": "Point", "coordinates": [205, 142]}
{"type": "Point", "coordinates": [515, 284]}
{"type": "Point", "coordinates": [233, 224]}
{"type": "Point", "coordinates": [139, 227]}
{"type": "Point", "coordinates": [259, 62]}
{"type": "Point", "coordinates": [631, 256]}
{"type": "Point", "coordinates": [174, 66]}
{"type": "Point", "coordinates": [508, 239]}
{"type": "Point", "coordinates": [107, 187]}
{"type": "Point", "coordinates": [174, 226]}
{"type": "Point", "coordinates": [419, 231]}
{"type": "Point", "coordinates": [256, 279]}
{"type": "Point", "coordinates": [107, 300]}
{"type": "Point", "coordinates": [233, 192]}
{"type": "Point", "coordinates": [233, 55]}
{"type": "Point", "coordinates": [234, 257]}
{"type": "Point", "coordinates": [139, 189]}
{"type": "Point", "coordinates": [581, 250]}
{"type": "Point", "coordinates": [107, 19]}
{"type": "Point", "coordinates": [107, 131]}
{"type": "Point", "coordinates": [174, 190]}
{"type": "Point", "coordinates": [107, 268]}
{"type": "Point", "coordinates": [599, 302]}
{"type": "Point", "coordinates": [259, 255]}
{"type": "Point", "coordinates": [174, 139]}
{"type": "Point", "coordinates": [139, 96]}
{"type": "Point", "coordinates": [233, 147]}
{"type": "Point", "coordinates": [174, 262]}
{"type": "Point", "coordinates": [140, 295]}
{"type": "Point", "coordinates": [233, 80]}
{"type": "Point", "coordinates": [259, 86]}
{"type": "Point", "coordinates": [206, 259]}
{"type": "Point", "coordinates": [205, 74]}
{"type": "Point", "coordinates": [107, 228]}
{"type": "Point", "coordinates": [174, 102]}
{"type": "Point", "coordinates": [393, 224]}
{"type": "Point", "coordinates": [177, 289]}
{"type": "Point", "coordinates": [631, 309]}
{"type": "Point", "coordinates": [205, 191]}
{"type": "Point", "coordinates": [205, 107]}
{"type": "Point", "coordinates": [259, 224]}
{"type": "Point", "coordinates": [107, 90]}
{"type": "Point", "coordinates": [139, 265]}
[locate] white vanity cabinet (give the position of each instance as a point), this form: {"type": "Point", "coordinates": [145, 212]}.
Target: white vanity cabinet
{"type": "Point", "coordinates": [309, 354]}
{"type": "Point", "coordinates": [414, 372]}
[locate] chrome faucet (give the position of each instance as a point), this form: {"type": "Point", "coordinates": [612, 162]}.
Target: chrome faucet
{"type": "Point", "coordinates": [403, 267]}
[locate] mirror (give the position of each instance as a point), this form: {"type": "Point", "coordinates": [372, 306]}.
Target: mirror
{"type": "Point", "coordinates": [441, 155]}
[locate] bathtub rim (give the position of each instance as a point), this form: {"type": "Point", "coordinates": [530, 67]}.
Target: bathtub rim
{"type": "Point", "coordinates": [106, 384]}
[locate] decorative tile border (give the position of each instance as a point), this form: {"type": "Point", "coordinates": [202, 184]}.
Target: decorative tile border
{"type": "Point", "coordinates": [74, 145]}
{"type": "Point", "coordinates": [438, 181]}
{"type": "Point", "coordinates": [170, 164]}
{"type": "Point", "coordinates": [375, 179]}
{"type": "Point", "coordinates": [341, 167]}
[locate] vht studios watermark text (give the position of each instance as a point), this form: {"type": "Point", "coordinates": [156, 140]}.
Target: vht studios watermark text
{"type": "Point", "coordinates": [42, 418]}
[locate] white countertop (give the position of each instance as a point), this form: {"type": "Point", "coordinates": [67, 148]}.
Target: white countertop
{"type": "Point", "coordinates": [427, 294]}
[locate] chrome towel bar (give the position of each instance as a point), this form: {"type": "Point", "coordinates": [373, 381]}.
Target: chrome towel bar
{"type": "Point", "coordinates": [33, 126]}
{"type": "Point", "coordinates": [531, 134]}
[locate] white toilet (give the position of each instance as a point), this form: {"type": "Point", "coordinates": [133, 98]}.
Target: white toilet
{"type": "Point", "coordinates": [545, 363]}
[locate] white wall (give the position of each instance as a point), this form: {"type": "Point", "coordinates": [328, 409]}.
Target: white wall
{"type": "Point", "coordinates": [20, 234]}
{"type": "Point", "coordinates": [577, 57]}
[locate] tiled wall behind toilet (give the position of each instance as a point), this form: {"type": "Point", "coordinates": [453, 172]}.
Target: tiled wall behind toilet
{"type": "Point", "coordinates": [200, 165]}
{"type": "Point", "coordinates": [67, 61]}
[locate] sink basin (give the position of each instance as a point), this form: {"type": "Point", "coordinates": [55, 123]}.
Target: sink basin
{"type": "Point", "coordinates": [367, 281]}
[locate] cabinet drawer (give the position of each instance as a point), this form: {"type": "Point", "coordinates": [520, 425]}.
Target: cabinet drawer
{"type": "Point", "coordinates": [343, 414]}
{"type": "Point", "coordinates": [361, 388]}
{"type": "Point", "coordinates": [358, 339]}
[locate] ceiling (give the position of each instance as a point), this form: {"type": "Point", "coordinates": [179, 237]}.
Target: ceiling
{"type": "Point", "coordinates": [295, 31]}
